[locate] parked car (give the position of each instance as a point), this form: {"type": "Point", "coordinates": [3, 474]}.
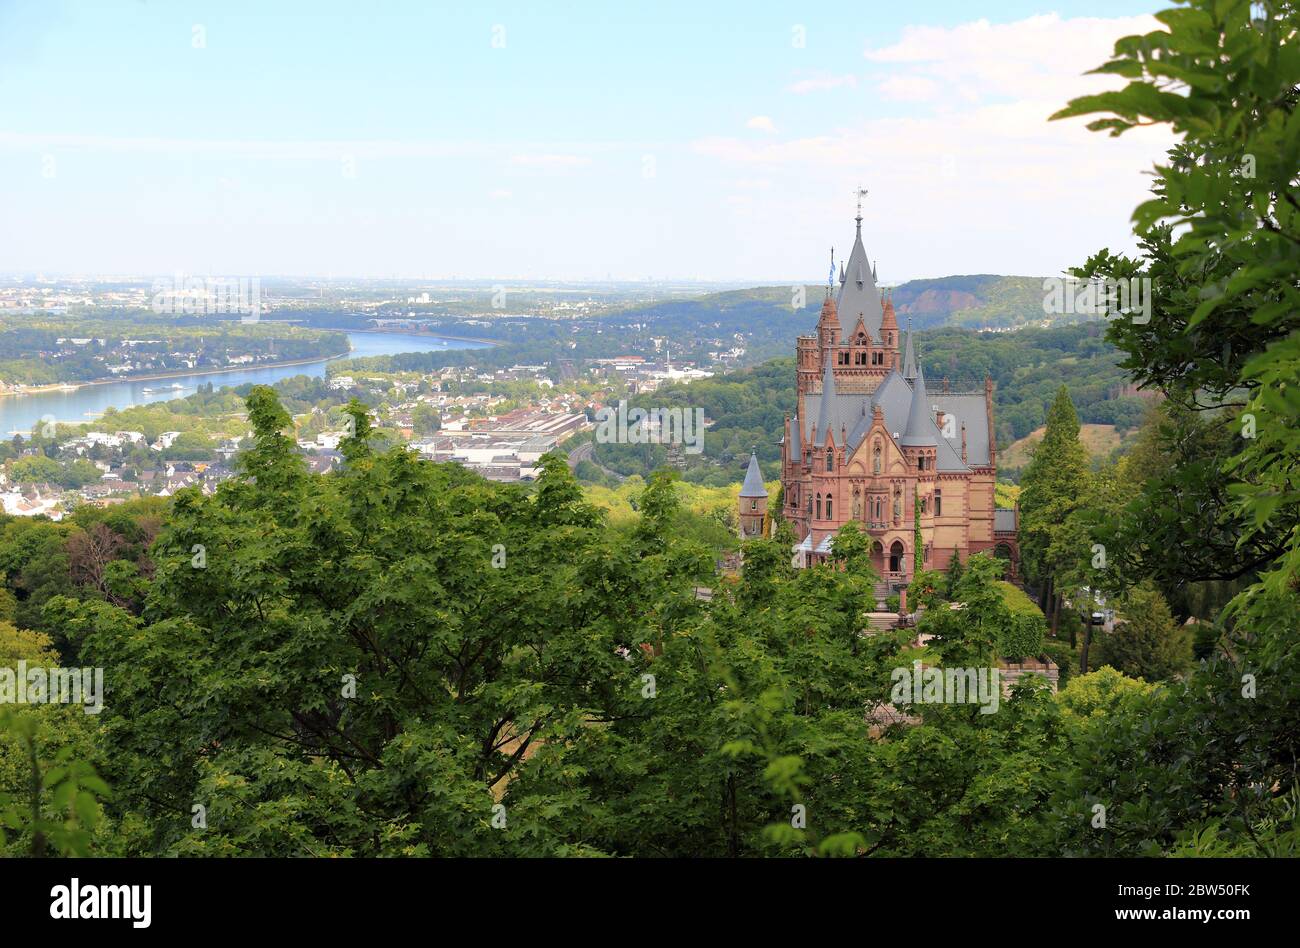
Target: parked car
{"type": "Point", "coordinates": [1098, 618]}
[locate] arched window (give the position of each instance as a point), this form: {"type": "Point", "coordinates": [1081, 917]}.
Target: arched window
{"type": "Point", "coordinates": [753, 505]}
{"type": "Point", "coordinates": [819, 506]}
{"type": "Point", "coordinates": [938, 503]}
{"type": "Point", "coordinates": [829, 515]}
{"type": "Point", "coordinates": [875, 459]}
{"type": "Point", "coordinates": [830, 459]}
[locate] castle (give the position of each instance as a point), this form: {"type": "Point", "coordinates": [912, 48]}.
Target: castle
{"type": "Point", "coordinates": [873, 443]}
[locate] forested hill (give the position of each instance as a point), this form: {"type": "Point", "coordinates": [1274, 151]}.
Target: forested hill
{"type": "Point", "coordinates": [982, 301]}
{"type": "Point", "coordinates": [747, 408]}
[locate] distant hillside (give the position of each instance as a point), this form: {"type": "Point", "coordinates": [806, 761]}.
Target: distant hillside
{"type": "Point", "coordinates": [769, 319]}
{"type": "Point", "coordinates": [981, 301]}
{"type": "Point", "coordinates": [1099, 440]}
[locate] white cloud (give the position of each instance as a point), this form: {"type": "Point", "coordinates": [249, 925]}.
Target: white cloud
{"type": "Point", "coordinates": [1041, 56]}
{"type": "Point", "coordinates": [500, 194]}
{"type": "Point", "coordinates": [823, 83]}
{"type": "Point", "coordinates": [762, 123]}
{"type": "Point", "coordinates": [970, 176]}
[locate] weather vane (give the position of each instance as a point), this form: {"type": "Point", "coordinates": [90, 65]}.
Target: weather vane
{"type": "Point", "coordinates": [831, 279]}
{"type": "Point", "coordinates": [862, 192]}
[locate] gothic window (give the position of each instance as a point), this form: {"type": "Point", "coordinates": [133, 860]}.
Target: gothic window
{"type": "Point", "coordinates": [938, 504]}
{"type": "Point", "coordinates": [753, 505]}
{"type": "Point", "coordinates": [829, 515]}
{"type": "Point", "coordinates": [819, 506]}
{"type": "Point", "coordinates": [875, 459]}
{"type": "Point", "coordinates": [830, 459]}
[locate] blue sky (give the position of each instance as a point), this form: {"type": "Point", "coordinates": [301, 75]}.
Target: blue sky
{"type": "Point", "coordinates": [571, 141]}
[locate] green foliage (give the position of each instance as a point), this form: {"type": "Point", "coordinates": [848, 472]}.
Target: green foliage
{"type": "Point", "coordinates": [1146, 642]}
{"type": "Point", "coordinates": [50, 792]}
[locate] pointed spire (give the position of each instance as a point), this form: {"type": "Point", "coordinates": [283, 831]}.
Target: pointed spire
{"type": "Point", "coordinates": [824, 411]}
{"type": "Point", "coordinates": [753, 486]}
{"type": "Point", "coordinates": [910, 370]}
{"type": "Point", "coordinates": [920, 425]}
{"type": "Point", "coordinates": [858, 293]}
{"type": "Point", "coordinates": [889, 320]}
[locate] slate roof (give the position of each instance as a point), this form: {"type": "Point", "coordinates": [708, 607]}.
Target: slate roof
{"type": "Point", "coordinates": [1004, 521]}
{"type": "Point", "coordinates": [858, 294]}
{"type": "Point", "coordinates": [909, 354]}
{"type": "Point", "coordinates": [827, 413]}
{"type": "Point", "coordinates": [753, 486]}
{"type": "Point", "coordinates": [921, 430]}
{"type": "Point", "coordinates": [971, 411]}
{"type": "Point", "coordinates": [894, 395]}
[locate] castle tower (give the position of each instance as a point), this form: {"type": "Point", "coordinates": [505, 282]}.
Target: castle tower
{"type": "Point", "coordinates": [828, 326]}
{"type": "Point", "coordinates": [753, 502]}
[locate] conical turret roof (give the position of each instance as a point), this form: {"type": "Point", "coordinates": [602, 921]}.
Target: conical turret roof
{"type": "Point", "coordinates": [909, 355]}
{"type": "Point", "coordinates": [920, 424]}
{"type": "Point", "coordinates": [753, 486]}
{"type": "Point", "coordinates": [858, 293]}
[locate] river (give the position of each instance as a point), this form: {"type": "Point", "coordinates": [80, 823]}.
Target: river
{"type": "Point", "coordinates": [19, 413]}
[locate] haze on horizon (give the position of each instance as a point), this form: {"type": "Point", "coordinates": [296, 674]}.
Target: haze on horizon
{"type": "Point", "coordinates": [667, 142]}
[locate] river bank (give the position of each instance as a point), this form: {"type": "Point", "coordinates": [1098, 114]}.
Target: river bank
{"type": "Point", "coordinates": [176, 374]}
{"type": "Point", "coordinates": [79, 402]}
{"type": "Point", "coordinates": [185, 373]}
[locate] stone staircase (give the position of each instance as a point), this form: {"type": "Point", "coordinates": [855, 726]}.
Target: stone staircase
{"type": "Point", "coordinates": [881, 621]}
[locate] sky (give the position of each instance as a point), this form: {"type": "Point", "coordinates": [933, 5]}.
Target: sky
{"type": "Point", "coordinates": [570, 141]}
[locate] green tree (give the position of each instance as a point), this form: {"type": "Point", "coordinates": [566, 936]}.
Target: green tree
{"type": "Point", "coordinates": [1050, 493]}
{"type": "Point", "coordinates": [1147, 643]}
